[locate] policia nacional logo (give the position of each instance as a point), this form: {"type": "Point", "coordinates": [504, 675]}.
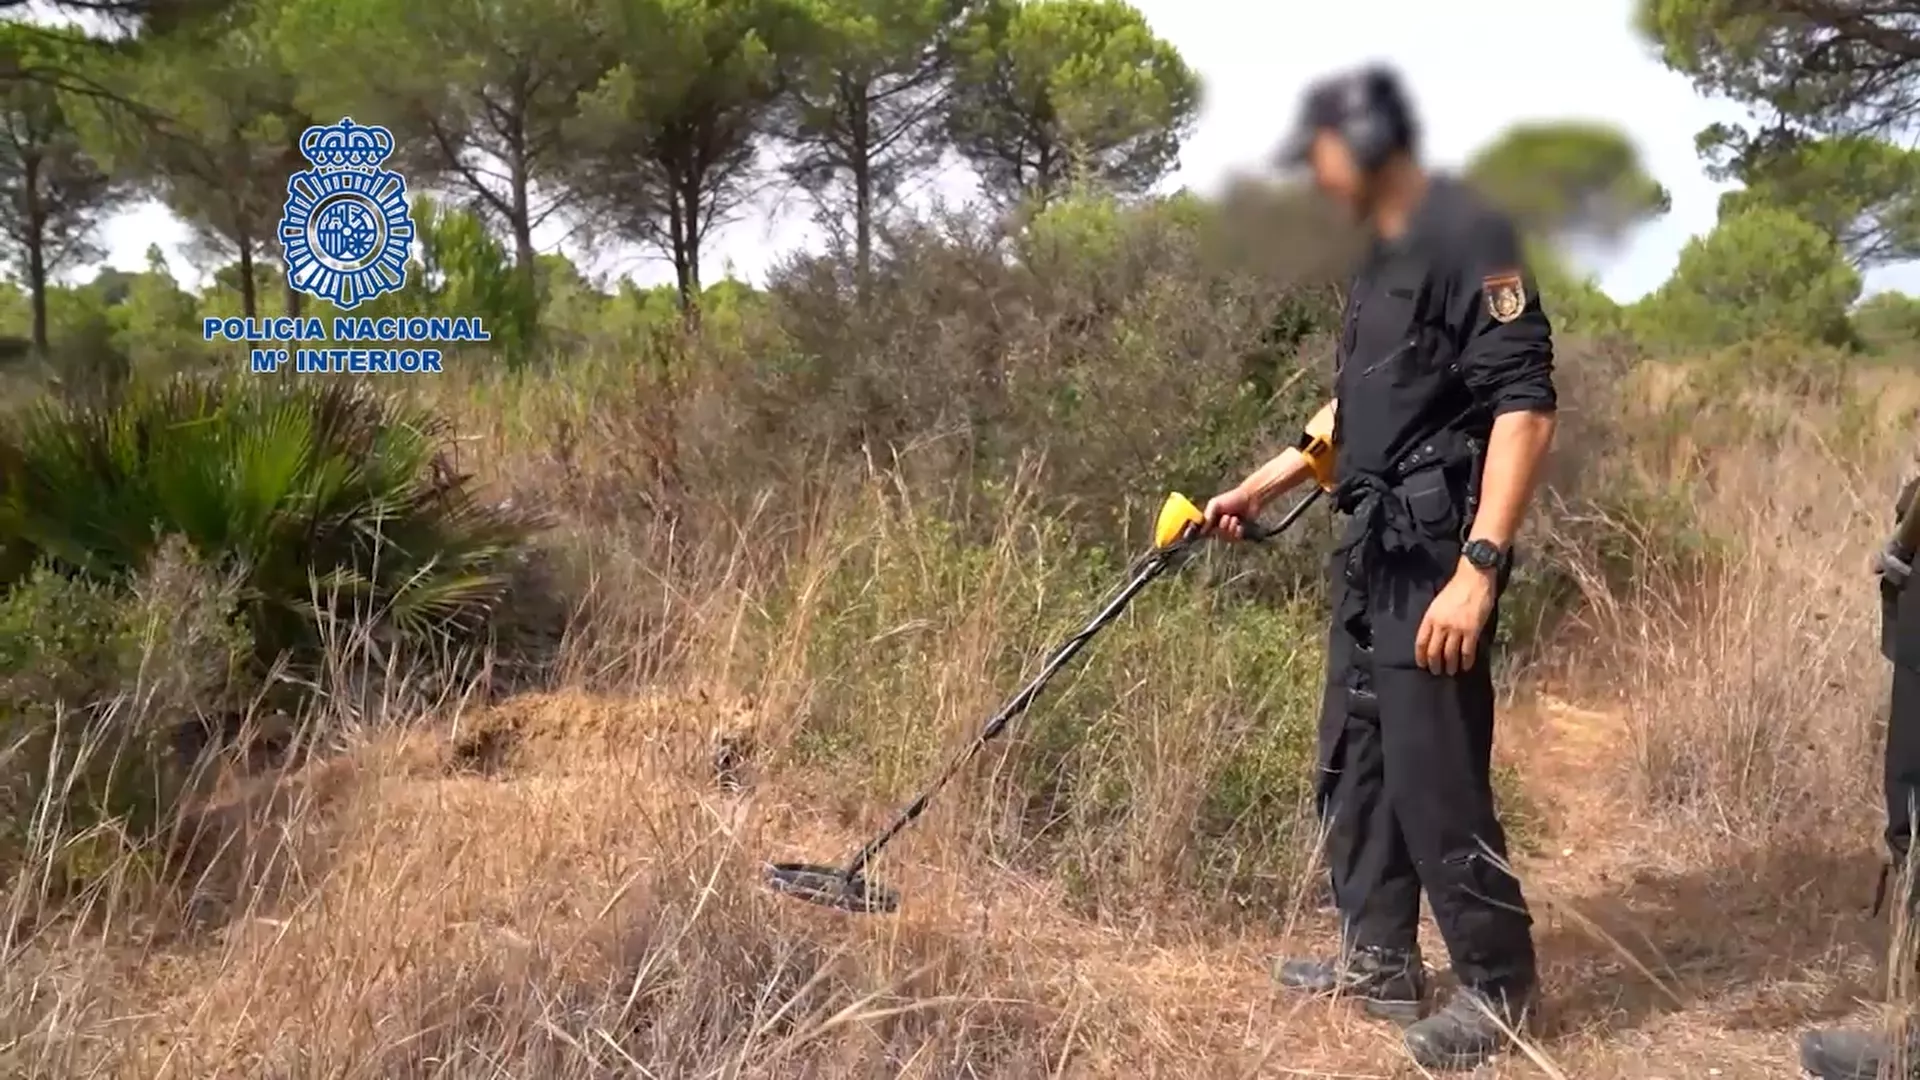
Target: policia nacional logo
{"type": "Point", "coordinates": [346, 230]}
{"type": "Point", "coordinates": [1506, 296]}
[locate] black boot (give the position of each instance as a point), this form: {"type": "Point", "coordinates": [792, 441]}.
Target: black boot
{"type": "Point", "coordinates": [1468, 1031]}
{"type": "Point", "coordinates": [1856, 1055]}
{"type": "Point", "coordinates": [1389, 982]}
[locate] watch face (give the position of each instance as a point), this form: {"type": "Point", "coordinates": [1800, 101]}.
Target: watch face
{"type": "Point", "coordinates": [1482, 554]}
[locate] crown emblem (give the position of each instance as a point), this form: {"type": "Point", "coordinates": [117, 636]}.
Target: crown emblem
{"type": "Point", "coordinates": [347, 147]}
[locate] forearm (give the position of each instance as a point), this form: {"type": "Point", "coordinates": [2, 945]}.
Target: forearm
{"type": "Point", "coordinates": [1290, 468]}
{"type": "Point", "coordinates": [1276, 477]}
{"type": "Point", "coordinates": [1516, 448]}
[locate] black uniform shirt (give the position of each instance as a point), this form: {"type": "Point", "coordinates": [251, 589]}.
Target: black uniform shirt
{"type": "Point", "coordinates": [1443, 330]}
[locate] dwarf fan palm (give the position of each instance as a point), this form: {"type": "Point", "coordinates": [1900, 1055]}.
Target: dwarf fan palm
{"type": "Point", "coordinates": [330, 501]}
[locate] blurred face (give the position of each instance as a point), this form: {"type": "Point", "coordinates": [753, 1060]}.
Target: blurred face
{"type": "Point", "coordinates": [1336, 175]}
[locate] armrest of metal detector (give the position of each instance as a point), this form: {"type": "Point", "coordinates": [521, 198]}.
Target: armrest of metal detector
{"type": "Point", "coordinates": [1180, 522]}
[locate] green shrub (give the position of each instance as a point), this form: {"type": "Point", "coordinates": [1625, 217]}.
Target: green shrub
{"type": "Point", "coordinates": [95, 680]}
{"type": "Point", "coordinates": [1760, 272]}
{"type": "Point", "coordinates": [1888, 323]}
{"type": "Point", "coordinates": [327, 499]}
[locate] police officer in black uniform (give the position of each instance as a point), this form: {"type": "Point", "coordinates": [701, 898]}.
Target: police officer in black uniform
{"type": "Point", "coordinates": [1864, 1055]}
{"type": "Point", "coordinates": [1443, 408]}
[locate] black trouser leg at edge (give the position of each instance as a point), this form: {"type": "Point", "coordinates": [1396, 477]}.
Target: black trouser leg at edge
{"type": "Point", "coordinates": [1903, 762]}
{"type": "Point", "coordinates": [1415, 784]}
{"type": "Point", "coordinates": [1863, 1054]}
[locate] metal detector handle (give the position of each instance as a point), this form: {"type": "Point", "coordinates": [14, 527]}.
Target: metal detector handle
{"type": "Point", "coordinates": [1259, 533]}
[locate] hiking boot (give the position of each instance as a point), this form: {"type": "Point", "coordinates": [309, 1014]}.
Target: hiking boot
{"type": "Point", "coordinates": [1467, 1032]}
{"type": "Point", "coordinates": [1388, 982]}
{"type": "Point", "coordinates": [1855, 1055]}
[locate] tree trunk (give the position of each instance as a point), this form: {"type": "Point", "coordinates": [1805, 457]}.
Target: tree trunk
{"type": "Point", "coordinates": [520, 177]}
{"type": "Point", "coordinates": [861, 160]}
{"type": "Point", "coordinates": [863, 223]}
{"type": "Point", "coordinates": [36, 254]}
{"type": "Point", "coordinates": [37, 282]}
{"type": "Point", "coordinates": [522, 224]}
{"type": "Point", "coordinates": [683, 223]}
{"type": "Point", "coordinates": [247, 305]}
{"type": "Point", "coordinates": [296, 161]}
{"type": "Point", "coordinates": [526, 321]}
{"type": "Point", "coordinates": [694, 240]}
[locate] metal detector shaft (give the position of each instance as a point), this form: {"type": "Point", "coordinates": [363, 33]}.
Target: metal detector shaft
{"type": "Point", "coordinates": [1156, 563]}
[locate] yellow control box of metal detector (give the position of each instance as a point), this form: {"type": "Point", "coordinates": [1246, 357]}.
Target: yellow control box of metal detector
{"type": "Point", "coordinates": [1316, 445]}
{"type": "Point", "coordinates": [1178, 514]}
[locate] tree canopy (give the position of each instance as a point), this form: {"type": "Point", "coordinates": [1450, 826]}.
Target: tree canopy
{"type": "Point", "coordinates": [670, 139]}
{"type": "Point", "coordinates": [53, 194]}
{"type": "Point", "coordinates": [479, 95]}
{"type": "Point", "coordinates": [1760, 272]}
{"type": "Point", "coordinates": [1863, 191]}
{"type": "Point", "coordinates": [1830, 67]}
{"type": "Point", "coordinates": [1049, 89]}
{"type": "Point", "coordinates": [1566, 181]}
{"type": "Point", "coordinates": [863, 106]}
{"type": "Point", "coordinates": [653, 123]}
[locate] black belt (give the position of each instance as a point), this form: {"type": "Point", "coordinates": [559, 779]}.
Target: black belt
{"type": "Point", "coordinates": [1382, 523]}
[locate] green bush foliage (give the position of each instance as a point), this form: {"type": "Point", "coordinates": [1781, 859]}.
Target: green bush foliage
{"type": "Point", "coordinates": [1760, 272]}
{"type": "Point", "coordinates": [97, 682]}
{"type": "Point", "coordinates": [329, 500]}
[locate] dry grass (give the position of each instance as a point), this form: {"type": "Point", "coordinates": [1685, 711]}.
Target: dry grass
{"type": "Point", "coordinates": [552, 885]}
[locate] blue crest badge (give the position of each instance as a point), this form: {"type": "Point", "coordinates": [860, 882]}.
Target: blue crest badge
{"type": "Point", "coordinates": [346, 230]}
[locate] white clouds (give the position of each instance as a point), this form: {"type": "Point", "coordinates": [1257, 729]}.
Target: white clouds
{"type": "Point", "coordinates": [1474, 67]}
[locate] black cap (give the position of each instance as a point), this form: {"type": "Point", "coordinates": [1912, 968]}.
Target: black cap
{"type": "Point", "coordinates": [1325, 108]}
{"type": "Point", "coordinates": [1344, 103]}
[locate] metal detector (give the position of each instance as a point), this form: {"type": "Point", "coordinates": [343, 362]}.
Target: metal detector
{"type": "Point", "coordinates": [1176, 530]}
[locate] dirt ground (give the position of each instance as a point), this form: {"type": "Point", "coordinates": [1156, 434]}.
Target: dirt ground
{"type": "Point", "coordinates": [461, 884]}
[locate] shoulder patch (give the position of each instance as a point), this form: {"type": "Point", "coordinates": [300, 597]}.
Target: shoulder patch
{"type": "Point", "coordinates": [1506, 295]}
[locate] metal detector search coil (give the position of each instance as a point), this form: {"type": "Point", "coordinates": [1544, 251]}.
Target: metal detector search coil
{"type": "Point", "coordinates": [1176, 529]}
{"type": "Point", "coordinates": [831, 886]}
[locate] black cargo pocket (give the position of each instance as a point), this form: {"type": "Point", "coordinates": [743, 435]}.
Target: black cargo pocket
{"type": "Point", "coordinates": [1483, 902]}
{"type": "Point", "coordinates": [1362, 702]}
{"type": "Point", "coordinates": [1431, 504]}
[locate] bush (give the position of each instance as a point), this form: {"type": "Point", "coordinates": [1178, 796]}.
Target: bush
{"type": "Point", "coordinates": [327, 500]}
{"type": "Point", "coordinates": [95, 681]}
{"type": "Point", "coordinates": [1888, 322]}
{"type": "Point", "coordinates": [1761, 272]}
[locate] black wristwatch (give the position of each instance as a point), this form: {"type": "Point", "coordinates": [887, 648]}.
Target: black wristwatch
{"type": "Point", "coordinates": [1484, 555]}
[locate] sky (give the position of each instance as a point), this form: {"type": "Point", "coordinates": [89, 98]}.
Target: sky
{"type": "Point", "coordinates": [1474, 67]}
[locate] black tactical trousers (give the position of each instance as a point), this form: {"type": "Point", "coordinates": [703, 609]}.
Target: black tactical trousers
{"type": "Point", "coordinates": [1407, 798]}
{"type": "Point", "coordinates": [1900, 644]}
{"type": "Point", "coordinates": [1903, 761]}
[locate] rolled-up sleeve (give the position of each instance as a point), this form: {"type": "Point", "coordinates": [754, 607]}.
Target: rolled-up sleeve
{"type": "Point", "coordinates": [1505, 341]}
